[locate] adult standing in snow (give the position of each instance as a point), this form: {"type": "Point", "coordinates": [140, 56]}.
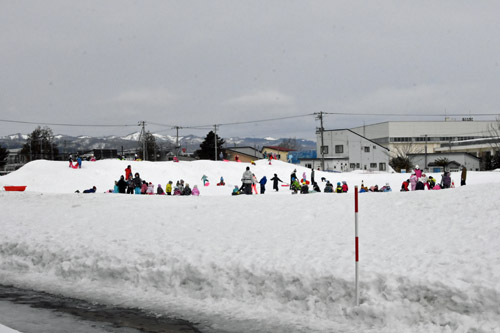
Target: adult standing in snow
{"type": "Point", "coordinates": [275, 180]}
{"type": "Point", "coordinates": [463, 177]}
{"type": "Point", "coordinates": [128, 172]}
{"type": "Point", "coordinates": [312, 176]}
{"type": "Point", "coordinates": [79, 161]}
{"type": "Point", "coordinates": [247, 180]}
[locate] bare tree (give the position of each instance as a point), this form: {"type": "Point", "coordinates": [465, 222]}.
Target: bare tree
{"type": "Point", "coordinates": [401, 156]}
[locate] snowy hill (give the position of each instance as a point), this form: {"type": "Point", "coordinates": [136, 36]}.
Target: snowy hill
{"type": "Point", "coordinates": [263, 263]}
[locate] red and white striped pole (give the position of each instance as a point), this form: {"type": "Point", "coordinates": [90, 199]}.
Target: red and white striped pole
{"type": "Point", "coordinates": [356, 241]}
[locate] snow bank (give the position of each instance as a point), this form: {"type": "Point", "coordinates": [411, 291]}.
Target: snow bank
{"type": "Point", "coordinates": [268, 263]}
{"type": "Point", "coordinates": [5, 329]}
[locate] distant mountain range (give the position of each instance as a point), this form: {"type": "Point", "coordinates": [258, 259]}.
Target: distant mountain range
{"type": "Point", "coordinates": [191, 143]}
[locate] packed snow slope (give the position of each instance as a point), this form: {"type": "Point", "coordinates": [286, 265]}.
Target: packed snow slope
{"type": "Point", "coordinates": [429, 260]}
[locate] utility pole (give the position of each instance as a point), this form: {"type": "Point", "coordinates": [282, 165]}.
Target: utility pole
{"type": "Point", "coordinates": [321, 130]}
{"type": "Point", "coordinates": [177, 141]}
{"type": "Point", "coordinates": [215, 139]}
{"type": "Point", "coordinates": [425, 166]}
{"type": "Point", "coordinates": [143, 135]}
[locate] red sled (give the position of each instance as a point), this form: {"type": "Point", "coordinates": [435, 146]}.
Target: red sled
{"type": "Point", "coordinates": [15, 188]}
{"type": "Point", "coordinates": [285, 185]}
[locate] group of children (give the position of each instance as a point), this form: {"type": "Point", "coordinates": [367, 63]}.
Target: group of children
{"type": "Point", "coordinates": [418, 181]}
{"type": "Point", "coordinates": [135, 185]}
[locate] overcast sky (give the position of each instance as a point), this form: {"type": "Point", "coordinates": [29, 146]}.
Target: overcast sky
{"type": "Point", "coordinates": [191, 63]}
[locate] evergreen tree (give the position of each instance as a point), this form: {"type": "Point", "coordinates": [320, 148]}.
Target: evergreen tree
{"type": "Point", "coordinates": [495, 162]}
{"type": "Point", "coordinates": [40, 145]}
{"type": "Point", "coordinates": [4, 153]}
{"type": "Point", "coordinates": [207, 147]}
{"type": "Point", "coordinates": [151, 147]}
{"type": "Point", "coordinates": [399, 163]}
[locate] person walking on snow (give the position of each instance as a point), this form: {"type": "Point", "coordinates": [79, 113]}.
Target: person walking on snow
{"type": "Point", "coordinates": [275, 180]}
{"type": "Point", "coordinates": [262, 183]}
{"type": "Point", "coordinates": [254, 183]}
{"type": "Point", "coordinates": [463, 176]}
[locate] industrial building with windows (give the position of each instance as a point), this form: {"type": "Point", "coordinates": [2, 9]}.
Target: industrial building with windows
{"type": "Point", "coordinates": [370, 147]}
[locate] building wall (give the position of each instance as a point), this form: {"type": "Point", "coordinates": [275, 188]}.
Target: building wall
{"type": "Point", "coordinates": [349, 151]}
{"type": "Point", "coordinates": [283, 154]}
{"type": "Point", "coordinates": [411, 136]}
{"type": "Point", "coordinates": [231, 156]}
{"type": "Point", "coordinates": [470, 162]}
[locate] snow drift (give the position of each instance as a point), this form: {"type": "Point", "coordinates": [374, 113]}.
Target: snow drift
{"type": "Point", "coordinates": [263, 263]}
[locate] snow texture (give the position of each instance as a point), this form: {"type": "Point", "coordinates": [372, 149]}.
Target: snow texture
{"type": "Point", "coordinates": [429, 260]}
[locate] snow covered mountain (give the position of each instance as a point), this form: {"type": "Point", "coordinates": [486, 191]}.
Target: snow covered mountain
{"type": "Point", "coordinates": [190, 142]}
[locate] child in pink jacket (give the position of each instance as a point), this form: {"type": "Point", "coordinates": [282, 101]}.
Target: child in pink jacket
{"type": "Point", "coordinates": [195, 191]}
{"type": "Point", "coordinates": [413, 182]}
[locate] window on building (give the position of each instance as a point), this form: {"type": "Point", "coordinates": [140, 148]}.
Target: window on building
{"type": "Point", "coordinates": [373, 165]}
{"type": "Point", "coordinates": [352, 165]}
{"type": "Point", "coordinates": [357, 165]}
{"type": "Point", "coordinates": [324, 149]}
{"type": "Point", "coordinates": [367, 149]}
{"type": "Point", "coordinates": [309, 165]}
{"type": "Point", "coordinates": [339, 149]}
{"type": "Point", "coordinates": [381, 167]}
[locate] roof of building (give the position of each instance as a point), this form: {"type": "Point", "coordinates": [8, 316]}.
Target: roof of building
{"type": "Point", "coordinates": [278, 148]}
{"type": "Point", "coordinates": [247, 150]}
{"type": "Point", "coordinates": [346, 129]}
{"type": "Point", "coordinates": [445, 153]}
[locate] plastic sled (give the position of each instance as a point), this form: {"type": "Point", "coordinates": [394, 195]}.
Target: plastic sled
{"type": "Point", "coordinates": [14, 188]}
{"type": "Point", "coordinates": [207, 184]}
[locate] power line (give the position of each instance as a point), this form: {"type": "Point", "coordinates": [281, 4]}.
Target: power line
{"type": "Point", "coordinates": [413, 115]}
{"type": "Point", "coordinates": [59, 124]}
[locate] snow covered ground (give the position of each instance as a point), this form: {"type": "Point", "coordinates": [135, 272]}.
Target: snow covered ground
{"type": "Point", "coordinates": [430, 260]}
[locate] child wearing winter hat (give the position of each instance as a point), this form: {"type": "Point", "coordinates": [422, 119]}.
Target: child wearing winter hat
{"type": "Point", "coordinates": [195, 191]}
{"type": "Point", "coordinates": [159, 190]}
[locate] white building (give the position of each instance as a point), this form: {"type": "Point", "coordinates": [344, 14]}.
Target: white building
{"type": "Point", "coordinates": [345, 150]}
{"type": "Point", "coordinates": [425, 136]}
{"type": "Point", "coordinates": [456, 161]}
